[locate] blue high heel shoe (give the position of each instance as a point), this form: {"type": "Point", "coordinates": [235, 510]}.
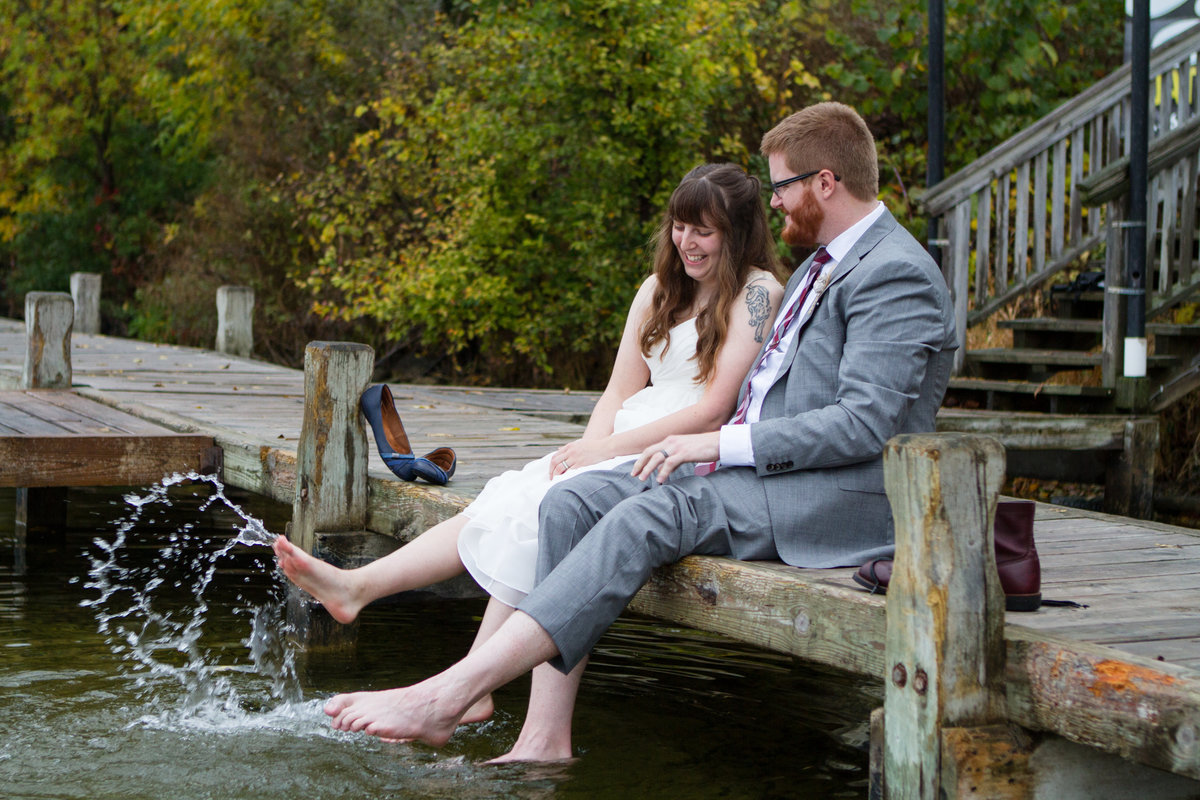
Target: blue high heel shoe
{"type": "Point", "coordinates": [379, 408]}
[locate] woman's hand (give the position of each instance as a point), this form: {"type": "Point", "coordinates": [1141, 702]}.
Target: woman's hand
{"type": "Point", "coordinates": [675, 450]}
{"type": "Point", "coordinates": [579, 453]}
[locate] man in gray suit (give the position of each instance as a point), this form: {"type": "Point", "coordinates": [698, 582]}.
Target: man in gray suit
{"type": "Point", "coordinates": [861, 351]}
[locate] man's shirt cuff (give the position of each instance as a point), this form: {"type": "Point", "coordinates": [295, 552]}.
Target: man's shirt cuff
{"type": "Point", "coordinates": [737, 450]}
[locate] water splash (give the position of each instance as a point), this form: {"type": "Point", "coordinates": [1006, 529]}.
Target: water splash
{"type": "Point", "coordinates": [185, 679]}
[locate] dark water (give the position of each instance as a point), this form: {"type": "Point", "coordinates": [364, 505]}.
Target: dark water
{"type": "Point", "coordinates": [156, 669]}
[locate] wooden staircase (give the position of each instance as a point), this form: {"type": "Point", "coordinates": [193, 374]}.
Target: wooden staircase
{"type": "Point", "coordinates": [1040, 207]}
{"type": "Point", "coordinates": [1031, 375]}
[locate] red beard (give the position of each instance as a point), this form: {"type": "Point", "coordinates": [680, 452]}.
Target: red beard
{"type": "Point", "coordinates": [802, 224]}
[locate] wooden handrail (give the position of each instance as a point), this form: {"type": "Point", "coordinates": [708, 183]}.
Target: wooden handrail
{"type": "Point", "coordinates": [1043, 134]}
{"type": "Point", "coordinates": [1113, 181]}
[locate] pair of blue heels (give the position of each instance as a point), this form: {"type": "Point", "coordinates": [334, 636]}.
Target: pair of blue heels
{"type": "Point", "coordinates": [379, 408]}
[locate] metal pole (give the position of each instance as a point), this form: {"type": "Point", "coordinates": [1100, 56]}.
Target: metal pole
{"type": "Point", "coordinates": [1139, 135]}
{"type": "Point", "coordinates": [936, 156]}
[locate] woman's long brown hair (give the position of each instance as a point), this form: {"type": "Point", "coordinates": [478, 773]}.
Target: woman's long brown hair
{"type": "Point", "coordinates": [725, 198]}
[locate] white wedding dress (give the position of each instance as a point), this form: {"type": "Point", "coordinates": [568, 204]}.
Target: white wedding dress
{"type": "Point", "coordinates": [499, 543]}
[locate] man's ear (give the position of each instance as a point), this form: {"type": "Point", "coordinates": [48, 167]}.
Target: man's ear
{"type": "Point", "coordinates": [827, 183]}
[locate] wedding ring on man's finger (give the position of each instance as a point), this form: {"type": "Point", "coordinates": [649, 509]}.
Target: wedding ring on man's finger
{"type": "Point", "coordinates": [665, 453]}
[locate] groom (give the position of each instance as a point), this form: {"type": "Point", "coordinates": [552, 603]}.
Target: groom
{"type": "Point", "coordinates": [861, 351]}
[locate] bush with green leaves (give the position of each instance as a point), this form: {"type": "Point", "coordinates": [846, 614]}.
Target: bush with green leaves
{"type": "Point", "coordinates": [498, 207]}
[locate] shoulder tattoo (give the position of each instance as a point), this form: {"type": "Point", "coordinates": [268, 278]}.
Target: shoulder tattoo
{"type": "Point", "coordinates": [758, 303]}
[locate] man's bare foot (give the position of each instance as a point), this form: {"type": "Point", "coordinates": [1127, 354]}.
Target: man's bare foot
{"type": "Point", "coordinates": [417, 712]}
{"type": "Point", "coordinates": [482, 710]}
{"type": "Point", "coordinates": [334, 588]}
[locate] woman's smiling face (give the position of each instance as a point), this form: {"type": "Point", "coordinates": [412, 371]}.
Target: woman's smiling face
{"type": "Point", "coordinates": [699, 248]}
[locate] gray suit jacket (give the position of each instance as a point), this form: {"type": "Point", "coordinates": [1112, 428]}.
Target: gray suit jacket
{"type": "Point", "coordinates": [871, 362]}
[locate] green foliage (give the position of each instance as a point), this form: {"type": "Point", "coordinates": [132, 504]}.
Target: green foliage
{"type": "Point", "coordinates": [106, 121]}
{"type": "Point", "coordinates": [499, 205]}
{"type": "Point", "coordinates": [1008, 63]}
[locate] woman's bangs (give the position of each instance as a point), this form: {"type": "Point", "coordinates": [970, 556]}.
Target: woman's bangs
{"type": "Point", "coordinates": [694, 203]}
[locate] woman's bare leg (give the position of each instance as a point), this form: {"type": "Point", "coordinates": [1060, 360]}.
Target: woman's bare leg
{"type": "Point", "coordinates": [431, 557]}
{"type": "Point", "coordinates": [546, 734]}
{"type": "Point", "coordinates": [493, 617]}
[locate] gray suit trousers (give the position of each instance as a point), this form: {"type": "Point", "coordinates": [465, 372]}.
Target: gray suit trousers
{"type": "Point", "coordinates": [604, 532]}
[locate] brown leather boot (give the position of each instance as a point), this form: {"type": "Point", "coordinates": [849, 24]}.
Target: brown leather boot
{"type": "Point", "coordinates": [1016, 556]}
{"type": "Point", "coordinates": [1017, 560]}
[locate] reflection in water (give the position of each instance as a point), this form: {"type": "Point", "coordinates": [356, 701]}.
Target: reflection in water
{"type": "Point", "coordinates": [148, 658]}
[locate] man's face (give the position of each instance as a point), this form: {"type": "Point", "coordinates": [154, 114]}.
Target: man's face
{"type": "Point", "coordinates": [803, 214]}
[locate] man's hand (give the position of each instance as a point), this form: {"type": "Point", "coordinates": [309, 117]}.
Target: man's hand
{"type": "Point", "coordinates": [675, 450]}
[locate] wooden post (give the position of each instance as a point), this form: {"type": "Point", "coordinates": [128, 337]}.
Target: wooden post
{"type": "Point", "coordinates": [1112, 348]}
{"type": "Point", "coordinates": [49, 317]}
{"type": "Point", "coordinates": [235, 320]}
{"type": "Point", "coordinates": [48, 320]}
{"type": "Point", "coordinates": [85, 291]}
{"type": "Point", "coordinates": [1129, 482]}
{"type": "Point", "coordinates": [945, 614]}
{"type": "Point", "coordinates": [331, 469]}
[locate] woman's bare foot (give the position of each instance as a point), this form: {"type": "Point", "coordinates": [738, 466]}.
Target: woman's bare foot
{"type": "Point", "coordinates": [334, 588]}
{"type": "Point", "coordinates": [417, 712]}
{"type": "Point", "coordinates": [534, 749]}
{"type": "Point", "coordinates": [483, 709]}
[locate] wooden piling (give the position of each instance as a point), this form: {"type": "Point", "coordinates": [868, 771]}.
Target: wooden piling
{"type": "Point", "coordinates": [85, 292]}
{"type": "Point", "coordinates": [49, 317]}
{"type": "Point", "coordinates": [331, 457]}
{"type": "Point", "coordinates": [1129, 484]}
{"type": "Point", "coordinates": [235, 320]}
{"type": "Point", "coordinates": [331, 469]}
{"type": "Point", "coordinates": [945, 651]}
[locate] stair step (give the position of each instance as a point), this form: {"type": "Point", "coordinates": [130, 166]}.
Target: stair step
{"type": "Point", "coordinates": [1051, 324]}
{"type": "Point", "coordinates": [1172, 329]}
{"type": "Point", "coordinates": [1061, 359]}
{"type": "Point", "coordinates": [1055, 334]}
{"type": "Point", "coordinates": [1028, 396]}
{"type": "Point", "coordinates": [1029, 387]}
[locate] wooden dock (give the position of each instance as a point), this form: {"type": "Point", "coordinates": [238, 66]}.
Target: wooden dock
{"type": "Point", "coordinates": [1121, 676]}
{"type": "Point", "coordinates": [55, 438]}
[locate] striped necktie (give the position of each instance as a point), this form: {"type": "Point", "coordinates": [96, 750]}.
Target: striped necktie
{"type": "Point", "coordinates": [781, 330]}
{"type": "Point", "coordinates": [821, 258]}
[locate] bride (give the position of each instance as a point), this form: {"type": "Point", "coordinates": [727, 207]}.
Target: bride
{"type": "Point", "coordinates": [692, 332]}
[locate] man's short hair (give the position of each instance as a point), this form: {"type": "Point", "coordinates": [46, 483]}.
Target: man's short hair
{"type": "Point", "coordinates": [828, 136]}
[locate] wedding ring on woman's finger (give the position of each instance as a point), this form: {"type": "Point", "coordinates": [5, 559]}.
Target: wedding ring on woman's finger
{"type": "Point", "coordinates": [565, 465]}
{"type": "Point", "coordinates": [665, 453]}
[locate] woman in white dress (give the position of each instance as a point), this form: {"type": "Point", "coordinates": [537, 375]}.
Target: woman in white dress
{"type": "Point", "coordinates": [692, 332]}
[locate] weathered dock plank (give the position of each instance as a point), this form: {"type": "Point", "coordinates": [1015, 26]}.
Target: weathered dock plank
{"type": "Point", "coordinates": [54, 438]}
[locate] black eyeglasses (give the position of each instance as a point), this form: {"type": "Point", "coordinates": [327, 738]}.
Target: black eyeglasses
{"type": "Point", "coordinates": [775, 187]}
